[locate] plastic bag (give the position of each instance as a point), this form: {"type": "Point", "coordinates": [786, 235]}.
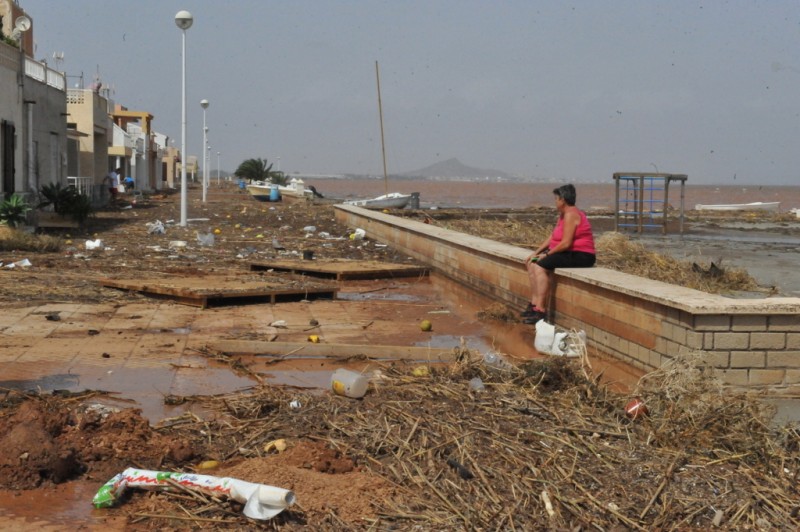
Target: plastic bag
{"type": "Point", "coordinates": [557, 341]}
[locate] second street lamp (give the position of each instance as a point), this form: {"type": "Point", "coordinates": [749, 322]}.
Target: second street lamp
{"type": "Point", "coordinates": [183, 19]}
{"type": "Point", "coordinates": [204, 105]}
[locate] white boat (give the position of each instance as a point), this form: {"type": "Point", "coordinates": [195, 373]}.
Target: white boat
{"type": "Point", "coordinates": [390, 200]}
{"type": "Point", "coordinates": [755, 206]}
{"type": "Point", "coordinates": [296, 189]}
{"type": "Point", "coordinates": [393, 200]}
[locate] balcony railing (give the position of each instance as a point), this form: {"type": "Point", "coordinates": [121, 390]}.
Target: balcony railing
{"type": "Point", "coordinates": [41, 72]}
{"type": "Point", "coordinates": [82, 184]}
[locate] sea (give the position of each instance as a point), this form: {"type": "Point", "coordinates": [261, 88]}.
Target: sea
{"type": "Point", "coordinates": [490, 194]}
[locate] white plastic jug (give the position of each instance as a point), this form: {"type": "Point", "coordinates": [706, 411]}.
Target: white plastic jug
{"type": "Point", "coordinates": [349, 383]}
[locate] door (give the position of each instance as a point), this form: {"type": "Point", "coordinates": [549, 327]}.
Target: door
{"type": "Point", "coordinates": [7, 149]}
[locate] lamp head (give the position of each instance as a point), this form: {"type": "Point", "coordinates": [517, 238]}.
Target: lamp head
{"type": "Point", "coordinates": [184, 19]}
{"type": "Point", "coordinates": [204, 104]}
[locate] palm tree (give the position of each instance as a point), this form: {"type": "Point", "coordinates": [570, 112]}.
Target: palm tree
{"type": "Point", "coordinates": [254, 170]}
{"type": "Point", "coordinates": [258, 170]}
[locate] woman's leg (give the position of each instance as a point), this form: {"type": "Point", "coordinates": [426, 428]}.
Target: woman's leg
{"type": "Point", "coordinates": [531, 266]}
{"type": "Point", "coordinates": [540, 280]}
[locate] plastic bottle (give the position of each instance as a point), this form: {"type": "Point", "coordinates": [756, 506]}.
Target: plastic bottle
{"type": "Point", "coordinates": [349, 383]}
{"type": "Point", "coordinates": [494, 360]}
{"type": "Point", "coordinates": [476, 384]}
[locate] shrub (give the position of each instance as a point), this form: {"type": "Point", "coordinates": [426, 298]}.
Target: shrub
{"type": "Point", "coordinates": [14, 211]}
{"type": "Point", "coordinates": [66, 201]}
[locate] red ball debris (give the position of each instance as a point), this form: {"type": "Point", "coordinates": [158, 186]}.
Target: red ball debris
{"type": "Point", "coordinates": [636, 408]}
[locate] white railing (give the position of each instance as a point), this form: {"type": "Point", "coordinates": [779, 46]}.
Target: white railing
{"type": "Point", "coordinates": [41, 72]}
{"type": "Point", "coordinates": [82, 184]}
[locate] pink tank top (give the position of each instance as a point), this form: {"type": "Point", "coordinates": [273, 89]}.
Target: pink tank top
{"type": "Point", "coordinates": [582, 241]}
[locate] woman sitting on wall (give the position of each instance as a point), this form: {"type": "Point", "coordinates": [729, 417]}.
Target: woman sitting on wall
{"type": "Point", "coordinates": [571, 245]}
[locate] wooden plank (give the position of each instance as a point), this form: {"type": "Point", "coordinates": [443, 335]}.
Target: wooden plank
{"type": "Point", "coordinates": [311, 350]}
{"type": "Point", "coordinates": [341, 269]}
{"type": "Point", "coordinates": [204, 291]}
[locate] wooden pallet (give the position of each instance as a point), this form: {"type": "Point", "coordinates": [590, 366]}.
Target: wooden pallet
{"type": "Point", "coordinates": [214, 291]}
{"type": "Point", "coordinates": [341, 269]}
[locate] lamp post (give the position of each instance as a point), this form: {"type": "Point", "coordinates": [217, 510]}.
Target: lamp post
{"type": "Point", "coordinates": [183, 19]}
{"type": "Point", "coordinates": [204, 105]}
{"type": "Point", "coordinates": [217, 168]}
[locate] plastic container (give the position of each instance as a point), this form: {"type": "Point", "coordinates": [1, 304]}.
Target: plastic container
{"type": "Point", "coordinates": [349, 383]}
{"type": "Point", "coordinates": [274, 193]}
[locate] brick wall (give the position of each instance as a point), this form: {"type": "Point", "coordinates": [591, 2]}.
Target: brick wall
{"type": "Point", "coordinates": [753, 343]}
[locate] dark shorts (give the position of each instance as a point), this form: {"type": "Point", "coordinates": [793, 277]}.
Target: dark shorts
{"type": "Point", "coordinates": [568, 259]}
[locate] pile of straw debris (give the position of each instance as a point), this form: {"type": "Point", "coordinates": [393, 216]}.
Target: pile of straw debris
{"type": "Point", "coordinates": [537, 447]}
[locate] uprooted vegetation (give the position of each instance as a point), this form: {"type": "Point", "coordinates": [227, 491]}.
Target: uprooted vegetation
{"type": "Point", "coordinates": [540, 447]}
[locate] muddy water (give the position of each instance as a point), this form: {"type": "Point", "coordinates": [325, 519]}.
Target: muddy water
{"type": "Point", "coordinates": [488, 194]}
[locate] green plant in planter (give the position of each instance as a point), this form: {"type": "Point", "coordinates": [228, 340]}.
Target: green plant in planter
{"type": "Point", "coordinates": [14, 211]}
{"type": "Point", "coordinates": [66, 201]}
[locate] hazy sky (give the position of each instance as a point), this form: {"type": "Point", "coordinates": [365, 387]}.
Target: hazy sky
{"type": "Point", "coordinates": [548, 89]}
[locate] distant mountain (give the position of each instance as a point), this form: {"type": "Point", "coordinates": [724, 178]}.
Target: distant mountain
{"type": "Point", "coordinates": [453, 168]}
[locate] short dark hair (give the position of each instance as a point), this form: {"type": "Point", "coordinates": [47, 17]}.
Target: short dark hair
{"type": "Point", "coordinates": [567, 193]}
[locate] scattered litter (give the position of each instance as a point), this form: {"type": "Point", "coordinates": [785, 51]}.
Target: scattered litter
{"type": "Point", "coordinates": [277, 446]}
{"type": "Point", "coordinates": [476, 384]}
{"type": "Point", "coordinates": [208, 464]}
{"type": "Point", "coordinates": [496, 361]}
{"type": "Point", "coordinates": [313, 338]}
{"type": "Point", "coordinates": [421, 371]}
{"type": "Point", "coordinates": [280, 324]}
{"type": "Point", "coordinates": [205, 239]}
{"type": "Point", "coordinates": [260, 501]}
{"type": "Point", "coordinates": [24, 263]}
{"type": "Point", "coordinates": [155, 228]}
{"type": "Point", "coordinates": [349, 383]}
{"type": "Point", "coordinates": [177, 244]}
{"type": "Point", "coordinates": [101, 410]}
{"type": "Point", "coordinates": [94, 244]}
{"type": "Point", "coordinates": [324, 234]}
{"type": "Point", "coordinates": [53, 317]}
{"type": "Point", "coordinates": [557, 341]}
{"type": "Point", "coordinates": [276, 244]}
{"type": "Point", "coordinates": [358, 234]}
{"type": "Point", "coordinates": [310, 229]}
{"type": "Point", "coordinates": [295, 404]}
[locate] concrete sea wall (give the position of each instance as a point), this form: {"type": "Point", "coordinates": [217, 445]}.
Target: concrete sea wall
{"type": "Point", "coordinates": [752, 343]}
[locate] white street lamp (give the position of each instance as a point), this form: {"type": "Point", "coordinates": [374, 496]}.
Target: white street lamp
{"type": "Point", "coordinates": [217, 168]}
{"type": "Point", "coordinates": [183, 19]}
{"type": "Point", "coordinates": [204, 105]}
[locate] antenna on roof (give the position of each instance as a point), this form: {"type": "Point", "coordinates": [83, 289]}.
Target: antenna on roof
{"type": "Point", "coordinates": [58, 57]}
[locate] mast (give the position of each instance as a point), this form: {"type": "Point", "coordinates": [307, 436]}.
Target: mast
{"type": "Point", "coordinates": [383, 143]}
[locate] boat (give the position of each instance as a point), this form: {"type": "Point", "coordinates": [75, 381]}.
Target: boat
{"type": "Point", "coordinates": [393, 200]}
{"type": "Point", "coordinates": [754, 206]}
{"type": "Point", "coordinates": [295, 190]}
{"type": "Point", "coordinates": [389, 200]}
{"type": "Point", "coordinates": [259, 191]}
